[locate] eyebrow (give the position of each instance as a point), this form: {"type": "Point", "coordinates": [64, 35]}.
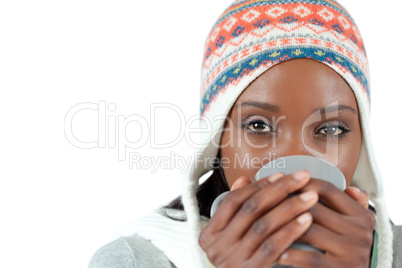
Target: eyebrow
{"type": "Point", "coordinates": [334, 108]}
{"type": "Point", "coordinates": [274, 108]}
{"type": "Point", "coordinates": [266, 106]}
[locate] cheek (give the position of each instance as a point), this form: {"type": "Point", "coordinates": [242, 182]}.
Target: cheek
{"type": "Point", "coordinates": [240, 159]}
{"type": "Point", "coordinates": [349, 158]}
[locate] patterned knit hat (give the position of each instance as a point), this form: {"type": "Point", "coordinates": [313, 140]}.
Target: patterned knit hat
{"type": "Point", "coordinates": [250, 37]}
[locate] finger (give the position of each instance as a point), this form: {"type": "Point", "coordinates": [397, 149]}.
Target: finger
{"type": "Point", "coordinates": [324, 239]}
{"type": "Point", "coordinates": [243, 181]}
{"type": "Point", "coordinates": [269, 251]}
{"type": "Point", "coordinates": [231, 203]}
{"type": "Point", "coordinates": [328, 218]}
{"type": "Point", "coordinates": [240, 182]}
{"type": "Point", "coordinates": [336, 222]}
{"type": "Point", "coordinates": [262, 201]}
{"type": "Point", "coordinates": [277, 217]}
{"type": "Point", "coordinates": [333, 197]}
{"type": "Point", "coordinates": [307, 259]}
{"type": "Point", "coordinates": [361, 196]}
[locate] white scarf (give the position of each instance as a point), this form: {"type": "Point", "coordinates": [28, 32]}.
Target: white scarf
{"type": "Point", "coordinates": [168, 235]}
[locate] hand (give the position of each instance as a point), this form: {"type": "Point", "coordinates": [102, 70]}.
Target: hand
{"type": "Point", "coordinates": [257, 222]}
{"type": "Point", "coordinates": [343, 229]}
{"type": "Point", "coordinates": [358, 195]}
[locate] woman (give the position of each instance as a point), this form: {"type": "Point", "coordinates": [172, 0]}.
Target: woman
{"type": "Point", "coordinates": [279, 78]}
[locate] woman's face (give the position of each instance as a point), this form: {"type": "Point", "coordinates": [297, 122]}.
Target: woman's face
{"type": "Point", "coordinates": [297, 107]}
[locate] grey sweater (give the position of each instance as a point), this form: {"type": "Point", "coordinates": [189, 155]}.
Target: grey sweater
{"type": "Point", "coordinates": [135, 251]}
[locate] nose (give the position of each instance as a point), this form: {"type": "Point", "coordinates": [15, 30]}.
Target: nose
{"type": "Point", "coordinates": [292, 143]}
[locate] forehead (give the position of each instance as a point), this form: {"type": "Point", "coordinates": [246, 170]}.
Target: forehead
{"type": "Point", "coordinates": [299, 83]}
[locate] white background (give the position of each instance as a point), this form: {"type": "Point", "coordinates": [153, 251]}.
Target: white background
{"type": "Point", "coordinates": [60, 203]}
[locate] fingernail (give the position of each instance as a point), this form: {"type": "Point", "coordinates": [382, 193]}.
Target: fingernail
{"type": "Point", "coordinates": [305, 218]}
{"type": "Point", "coordinates": [355, 188]}
{"type": "Point", "coordinates": [238, 181]}
{"type": "Point", "coordinates": [301, 175]}
{"type": "Point", "coordinates": [234, 184]}
{"type": "Point", "coordinates": [284, 256]}
{"type": "Point", "coordinates": [307, 196]}
{"type": "Point", "coordinates": [275, 177]}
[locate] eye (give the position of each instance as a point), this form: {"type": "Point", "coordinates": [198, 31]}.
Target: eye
{"type": "Point", "coordinates": [258, 127]}
{"type": "Point", "coordinates": [333, 130]}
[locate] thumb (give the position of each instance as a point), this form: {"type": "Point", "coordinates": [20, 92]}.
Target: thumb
{"type": "Point", "coordinates": [359, 195]}
{"type": "Point", "coordinates": [240, 182]}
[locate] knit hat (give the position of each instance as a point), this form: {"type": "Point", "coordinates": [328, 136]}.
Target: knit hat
{"type": "Point", "coordinates": [250, 37]}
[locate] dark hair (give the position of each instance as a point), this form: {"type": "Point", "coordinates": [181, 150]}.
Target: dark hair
{"type": "Point", "coordinates": [206, 192]}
